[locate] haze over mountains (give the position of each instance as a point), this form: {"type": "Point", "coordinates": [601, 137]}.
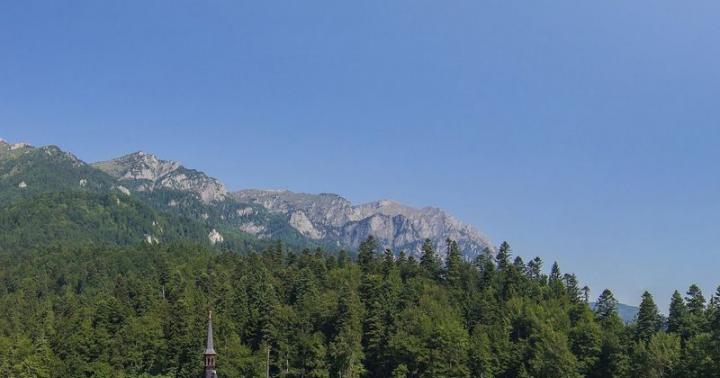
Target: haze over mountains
{"type": "Point", "coordinates": [172, 191]}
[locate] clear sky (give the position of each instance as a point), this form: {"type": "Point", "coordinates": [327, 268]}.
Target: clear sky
{"type": "Point", "coordinates": [583, 132]}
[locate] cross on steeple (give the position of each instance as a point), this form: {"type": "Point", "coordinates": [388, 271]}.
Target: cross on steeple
{"type": "Point", "coordinates": [210, 351]}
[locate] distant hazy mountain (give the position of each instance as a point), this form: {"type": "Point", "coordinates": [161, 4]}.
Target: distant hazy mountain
{"type": "Point", "coordinates": [329, 217]}
{"type": "Point", "coordinates": [173, 191]}
{"type": "Point", "coordinates": [626, 312]}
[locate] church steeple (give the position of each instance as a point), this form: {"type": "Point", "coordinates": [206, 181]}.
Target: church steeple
{"type": "Point", "coordinates": [210, 351]}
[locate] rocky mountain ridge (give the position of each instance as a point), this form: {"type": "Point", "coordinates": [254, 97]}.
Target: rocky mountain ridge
{"type": "Point", "coordinates": [319, 219]}
{"type": "Point", "coordinates": [331, 217]}
{"type": "Point", "coordinates": [145, 172]}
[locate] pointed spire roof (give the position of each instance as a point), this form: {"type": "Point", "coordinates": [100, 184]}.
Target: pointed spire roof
{"type": "Point", "coordinates": [210, 347]}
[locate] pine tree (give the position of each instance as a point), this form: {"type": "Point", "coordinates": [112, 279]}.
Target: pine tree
{"type": "Point", "coordinates": [375, 326]}
{"type": "Point", "coordinates": [695, 301]}
{"type": "Point", "coordinates": [696, 322]}
{"type": "Point", "coordinates": [388, 264]}
{"type": "Point", "coordinates": [571, 287]}
{"type": "Point", "coordinates": [453, 264]}
{"type": "Point", "coordinates": [606, 306]}
{"type": "Point", "coordinates": [366, 254]}
{"type": "Point", "coordinates": [714, 316]}
{"type": "Point", "coordinates": [648, 319]}
{"type": "Point", "coordinates": [429, 260]}
{"type": "Point", "coordinates": [534, 268]}
{"type": "Point", "coordinates": [345, 349]}
{"type": "Point", "coordinates": [586, 293]}
{"type": "Point", "coordinates": [503, 256]}
{"type": "Point", "coordinates": [677, 313]}
{"type": "Point", "coordinates": [554, 273]}
{"type": "Point", "coordinates": [557, 288]}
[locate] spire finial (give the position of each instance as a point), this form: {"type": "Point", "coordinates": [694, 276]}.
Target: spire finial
{"type": "Point", "coordinates": [210, 348]}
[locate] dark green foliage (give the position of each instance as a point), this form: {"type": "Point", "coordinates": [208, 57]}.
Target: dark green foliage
{"type": "Point", "coordinates": [45, 170]}
{"type": "Point", "coordinates": [606, 307]}
{"type": "Point", "coordinates": [367, 254]}
{"type": "Point", "coordinates": [80, 310]}
{"type": "Point", "coordinates": [79, 218]}
{"type": "Point", "coordinates": [429, 260]}
{"type": "Point", "coordinates": [503, 256]}
{"type": "Point", "coordinates": [648, 320]}
{"type": "Point", "coordinates": [677, 314]}
{"type": "Point", "coordinates": [453, 265]}
{"type": "Point", "coordinates": [695, 301]}
{"type": "Point", "coordinates": [97, 283]}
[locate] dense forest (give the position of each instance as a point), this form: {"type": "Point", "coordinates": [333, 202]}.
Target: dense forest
{"type": "Point", "coordinates": [140, 311]}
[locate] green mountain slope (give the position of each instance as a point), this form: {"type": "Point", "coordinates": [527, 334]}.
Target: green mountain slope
{"type": "Point", "coordinates": [25, 170]}
{"type": "Point", "coordinates": [48, 196]}
{"type": "Point", "coordinates": [77, 218]}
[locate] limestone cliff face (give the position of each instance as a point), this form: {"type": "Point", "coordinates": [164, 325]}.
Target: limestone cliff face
{"type": "Point", "coordinates": [145, 172]}
{"type": "Point", "coordinates": [324, 218]}
{"type": "Point", "coordinates": [331, 218]}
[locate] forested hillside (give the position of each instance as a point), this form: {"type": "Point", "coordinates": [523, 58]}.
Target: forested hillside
{"type": "Point", "coordinates": [112, 275]}
{"type": "Point", "coordinates": [194, 201]}
{"type": "Point", "coordinates": [140, 311]}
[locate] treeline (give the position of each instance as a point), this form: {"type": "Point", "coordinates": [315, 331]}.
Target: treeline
{"type": "Point", "coordinates": [141, 312]}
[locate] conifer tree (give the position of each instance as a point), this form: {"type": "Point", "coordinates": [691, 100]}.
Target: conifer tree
{"type": "Point", "coordinates": [586, 293]}
{"type": "Point", "coordinates": [696, 322]}
{"type": "Point", "coordinates": [695, 301]}
{"type": "Point", "coordinates": [388, 263]}
{"type": "Point", "coordinates": [345, 350]}
{"type": "Point", "coordinates": [648, 319]}
{"type": "Point", "coordinates": [714, 316]}
{"type": "Point", "coordinates": [429, 260]}
{"type": "Point", "coordinates": [557, 288]}
{"type": "Point", "coordinates": [606, 306]}
{"type": "Point", "coordinates": [366, 254]}
{"type": "Point", "coordinates": [453, 264]}
{"type": "Point", "coordinates": [571, 287]}
{"type": "Point", "coordinates": [534, 268]}
{"type": "Point", "coordinates": [677, 313]}
{"type": "Point", "coordinates": [503, 256]}
{"type": "Point", "coordinates": [554, 273]}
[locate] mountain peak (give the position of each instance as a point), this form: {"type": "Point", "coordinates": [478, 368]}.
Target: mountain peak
{"type": "Point", "coordinates": [332, 218]}
{"type": "Point", "coordinates": [13, 146]}
{"type": "Point", "coordinates": [146, 172]}
{"type": "Point", "coordinates": [138, 166]}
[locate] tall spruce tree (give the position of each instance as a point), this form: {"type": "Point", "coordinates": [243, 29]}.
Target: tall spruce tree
{"type": "Point", "coordinates": [534, 268]}
{"type": "Point", "coordinates": [367, 254]}
{"type": "Point", "coordinates": [429, 260]}
{"type": "Point", "coordinates": [648, 319]}
{"type": "Point", "coordinates": [606, 306]}
{"type": "Point", "coordinates": [695, 301]}
{"type": "Point", "coordinates": [714, 316]}
{"type": "Point", "coordinates": [557, 288]}
{"type": "Point", "coordinates": [503, 256]}
{"type": "Point", "coordinates": [453, 264]}
{"type": "Point", "coordinates": [676, 314]}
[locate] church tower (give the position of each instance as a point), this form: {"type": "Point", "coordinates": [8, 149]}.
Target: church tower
{"type": "Point", "coordinates": [210, 352]}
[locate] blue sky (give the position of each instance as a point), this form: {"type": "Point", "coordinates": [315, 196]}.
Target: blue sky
{"type": "Point", "coordinates": [583, 132]}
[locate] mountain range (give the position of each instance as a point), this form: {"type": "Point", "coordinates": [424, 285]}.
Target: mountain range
{"type": "Point", "coordinates": [171, 201]}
